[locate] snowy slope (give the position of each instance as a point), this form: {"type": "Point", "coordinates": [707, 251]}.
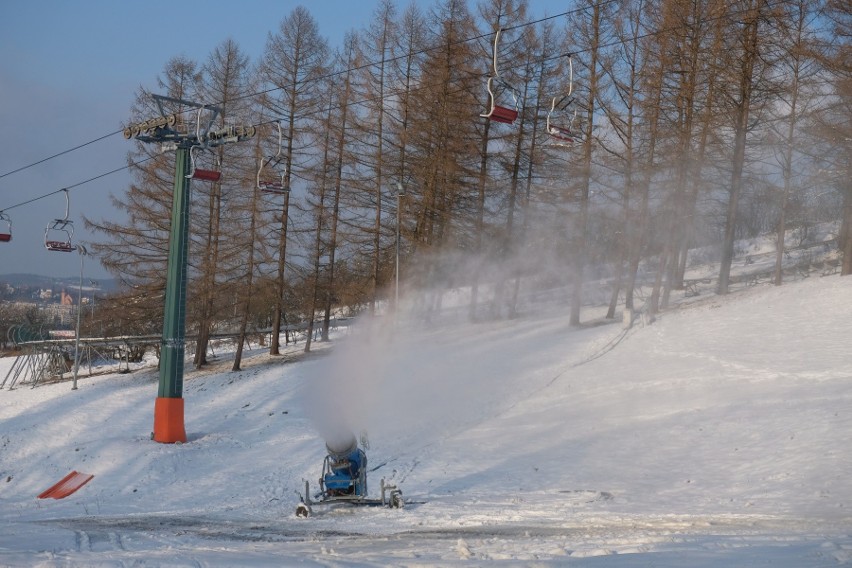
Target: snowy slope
{"type": "Point", "coordinates": [718, 436]}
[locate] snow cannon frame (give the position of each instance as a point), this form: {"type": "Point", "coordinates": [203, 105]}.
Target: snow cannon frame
{"type": "Point", "coordinates": [344, 479]}
{"type": "Point", "coordinates": [344, 471]}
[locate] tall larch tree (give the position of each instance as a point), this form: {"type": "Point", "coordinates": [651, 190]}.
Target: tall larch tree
{"type": "Point", "coordinates": [376, 89]}
{"type": "Point", "coordinates": [293, 61]}
{"type": "Point", "coordinates": [499, 16]}
{"type": "Point", "coordinates": [799, 70]}
{"type": "Point", "coordinates": [750, 18]}
{"type": "Point", "coordinates": [226, 84]}
{"type": "Point", "coordinates": [624, 69]}
{"type": "Point", "coordinates": [587, 30]}
{"type": "Point", "coordinates": [442, 126]}
{"type": "Point", "coordinates": [834, 121]}
{"type": "Point", "coordinates": [136, 249]}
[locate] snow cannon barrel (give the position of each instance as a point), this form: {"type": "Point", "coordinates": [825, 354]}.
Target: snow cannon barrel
{"type": "Point", "coordinates": [345, 470]}
{"type": "Point", "coordinates": [341, 447]}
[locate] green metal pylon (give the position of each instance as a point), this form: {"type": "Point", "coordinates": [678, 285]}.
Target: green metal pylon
{"type": "Point", "coordinates": [168, 414]}
{"type": "Point", "coordinates": [171, 133]}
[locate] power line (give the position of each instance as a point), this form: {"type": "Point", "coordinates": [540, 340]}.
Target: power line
{"type": "Point", "coordinates": [315, 79]}
{"type": "Point", "coordinates": [78, 184]}
{"type": "Point", "coordinates": [68, 151]}
{"type": "Point", "coordinates": [646, 35]}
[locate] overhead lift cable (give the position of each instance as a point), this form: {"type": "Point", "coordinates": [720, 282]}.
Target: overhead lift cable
{"type": "Point", "coordinates": [314, 79]}
{"type": "Point", "coordinates": [366, 65]}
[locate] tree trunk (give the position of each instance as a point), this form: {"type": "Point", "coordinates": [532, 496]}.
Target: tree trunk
{"type": "Point", "coordinates": [586, 171]}
{"type": "Point", "coordinates": [751, 40]}
{"type": "Point", "coordinates": [247, 292]}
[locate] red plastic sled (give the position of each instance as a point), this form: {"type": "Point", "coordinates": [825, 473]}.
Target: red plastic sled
{"type": "Point", "coordinates": [67, 485]}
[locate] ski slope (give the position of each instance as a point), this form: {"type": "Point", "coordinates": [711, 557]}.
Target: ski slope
{"type": "Point", "coordinates": [717, 436]}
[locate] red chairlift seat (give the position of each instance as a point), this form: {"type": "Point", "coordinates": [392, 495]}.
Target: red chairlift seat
{"type": "Point", "coordinates": [563, 134]}
{"type": "Point", "coordinates": [496, 112]}
{"type": "Point", "coordinates": [206, 175]}
{"type": "Point", "coordinates": [62, 228]}
{"type": "Point", "coordinates": [59, 246]}
{"type": "Point", "coordinates": [503, 114]}
{"type": "Point", "coordinates": [6, 232]}
{"type": "Point", "coordinates": [265, 180]}
{"type": "Point", "coordinates": [271, 186]}
{"type": "Point", "coordinates": [198, 173]}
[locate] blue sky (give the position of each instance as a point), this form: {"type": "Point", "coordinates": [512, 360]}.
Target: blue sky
{"type": "Point", "coordinates": [68, 74]}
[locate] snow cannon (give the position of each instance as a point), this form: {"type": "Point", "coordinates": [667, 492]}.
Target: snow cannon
{"type": "Point", "coordinates": [344, 471]}
{"type": "Point", "coordinates": [344, 479]}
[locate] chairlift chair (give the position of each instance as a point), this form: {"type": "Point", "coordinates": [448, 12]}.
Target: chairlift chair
{"type": "Point", "coordinates": [58, 233]}
{"type": "Point", "coordinates": [200, 174]}
{"type": "Point", "coordinates": [561, 134]}
{"type": "Point", "coordinates": [496, 112]}
{"type": "Point", "coordinates": [266, 181]}
{"type": "Point", "coordinates": [5, 228]}
{"type": "Point", "coordinates": [499, 113]}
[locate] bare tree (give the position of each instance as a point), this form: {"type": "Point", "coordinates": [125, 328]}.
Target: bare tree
{"type": "Point", "coordinates": [550, 84]}
{"type": "Point", "coordinates": [797, 69]}
{"type": "Point", "coordinates": [333, 159]}
{"type": "Point", "coordinates": [227, 82]}
{"type": "Point", "coordinates": [377, 79]}
{"type": "Point", "coordinates": [691, 26]}
{"type": "Point", "coordinates": [493, 16]}
{"type": "Point", "coordinates": [624, 69]}
{"type": "Point", "coordinates": [248, 282]}
{"type": "Point", "coordinates": [136, 249]}
{"type": "Point", "coordinates": [746, 51]}
{"type": "Point", "coordinates": [293, 61]}
{"type": "Point", "coordinates": [348, 60]}
{"type": "Point", "coordinates": [655, 53]}
{"type": "Point", "coordinates": [316, 200]}
{"type": "Point", "coordinates": [834, 121]}
{"type": "Point", "coordinates": [590, 29]}
{"type": "Point", "coordinates": [441, 156]}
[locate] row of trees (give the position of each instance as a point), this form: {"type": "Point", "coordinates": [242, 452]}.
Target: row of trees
{"type": "Point", "coordinates": [694, 122]}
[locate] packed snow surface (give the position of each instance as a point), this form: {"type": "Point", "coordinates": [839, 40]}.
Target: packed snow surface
{"type": "Point", "coordinates": [717, 436]}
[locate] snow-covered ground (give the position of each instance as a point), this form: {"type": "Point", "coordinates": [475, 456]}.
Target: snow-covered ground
{"type": "Point", "coordinates": [718, 436]}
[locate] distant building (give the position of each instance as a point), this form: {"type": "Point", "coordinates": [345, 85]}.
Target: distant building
{"type": "Point", "coordinates": [65, 299]}
{"type": "Point", "coordinates": [62, 334]}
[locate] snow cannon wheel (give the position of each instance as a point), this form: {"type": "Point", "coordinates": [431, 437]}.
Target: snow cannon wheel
{"type": "Point", "coordinates": [303, 510]}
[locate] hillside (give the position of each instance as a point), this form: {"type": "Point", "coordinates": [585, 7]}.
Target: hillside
{"type": "Point", "coordinates": [718, 436]}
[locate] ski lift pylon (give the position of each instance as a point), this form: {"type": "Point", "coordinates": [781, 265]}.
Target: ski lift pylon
{"type": "Point", "coordinates": [562, 133]}
{"type": "Point", "coordinates": [58, 233]}
{"type": "Point", "coordinates": [265, 180]}
{"type": "Point", "coordinates": [5, 228]}
{"type": "Point", "coordinates": [499, 113]}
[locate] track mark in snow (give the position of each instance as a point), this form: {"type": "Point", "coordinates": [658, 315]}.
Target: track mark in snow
{"type": "Point", "coordinates": [98, 541]}
{"type": "Point", "coordinates": [81, 539]}
{"type": "Point", "coordinates": [405, 472]}
{"type": "Point", "coordinates": [591, 553]}
{"type": "Point", "coordinates": [463, 549]}
{"type": "Point", "coordinates": [588, 496]}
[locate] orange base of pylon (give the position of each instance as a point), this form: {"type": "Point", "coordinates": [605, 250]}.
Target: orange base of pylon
{"type": "Point", "coordinates": [168, 421]}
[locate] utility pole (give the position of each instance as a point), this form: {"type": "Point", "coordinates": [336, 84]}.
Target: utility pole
{"type": "Point", "coordinates": [400, 193]}
{"type": "Point", "coordinates": [83, 252]}
{"type": "Point", "coordinates": [172, 134]}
